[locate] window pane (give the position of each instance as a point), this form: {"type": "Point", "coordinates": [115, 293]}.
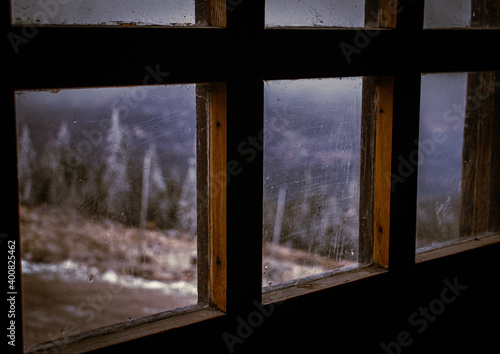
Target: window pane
{"type": "Point", "coordinates": [459, 158]}
{"type": "Point", "coordinates": [442, 112]}
{"type": "Point", "coordinates": [315, 13]}
{"type": "Point", "coordinates": [108, 205]}
{"type": "Point", "coordinates": [311, 177]}
{"type": "Point", "coordinates": [447, 13]}
{"type": "Point", "coordinates": [462, 14]}
{"type": "Point", "coordinates": [95, 12]}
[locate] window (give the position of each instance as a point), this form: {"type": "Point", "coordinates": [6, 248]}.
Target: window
{"type": "Point", "coordinates": [234, 65]}
{"type": "Point", "coordinates": [461, 14]}
{"type": "Point", "coordinates": [457, 197]}
{"type": "Point", "coordinates": [107, 181]}
{"type": "Point", "coordinates": [324, 196]}
{"type": "Point", "coordinates": [312, 153]}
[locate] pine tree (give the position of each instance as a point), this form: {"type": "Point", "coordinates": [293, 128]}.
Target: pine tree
{"type": "Point", "coordinates": [187, 210]}
{"type": "Point", "coordinates": [153, 185]}
{"type": "Point", "coordinates": [59, 162]}
{"type": "Point", "coordinates": [115, 179]}
{"type": "Point", "coordinates": [26, 164]}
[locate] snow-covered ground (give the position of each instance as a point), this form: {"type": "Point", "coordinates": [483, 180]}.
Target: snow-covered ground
{"type": "Point", "coordinates": [72, 271]}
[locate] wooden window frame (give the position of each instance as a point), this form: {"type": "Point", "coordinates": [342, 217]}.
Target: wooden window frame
{"type": "Point", "coordinates": [241, 53]}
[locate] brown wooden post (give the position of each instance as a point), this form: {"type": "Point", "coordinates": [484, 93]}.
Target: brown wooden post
{"type": "Point", "coordinates": [383, 160]}
{"type": "Point", "coordinates": [481, 153]}
{"type": "Point", "coordinates": [210, 13]}
{"type": "Point", "coordinates": [480, 206]}
{"type": "Point", "coordinates": [218, 194]}
{"type": "Point", "coordinates": [485, 14]}
{"type": "Point", "coordinates": [367, 169]}
{"type": "Point", "coordinates": [375, 193]}
{"type": "Point", "coordinates": [381, 13]}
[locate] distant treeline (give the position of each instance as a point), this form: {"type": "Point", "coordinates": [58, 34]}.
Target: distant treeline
{"type": "Point", "coordinates": [319, 219]}
{"type": "Point", "coordinates": [115, 184]}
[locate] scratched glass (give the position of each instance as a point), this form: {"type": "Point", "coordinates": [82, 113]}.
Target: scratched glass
{"type": "Point", "coordinates": [458, 166]}
{"type": "Point", "coordinates": [107, 188]}
{"type": "Point", "coordinates": [442, 112]}
{"type": "Point", "coordinates": [315, 13]}
{"type": "Point", "coordinates": [108, 13]}
{"type": "Point", "coordinates": [461, 14]}
{"type": "Point", "coordinates": [311, 177]}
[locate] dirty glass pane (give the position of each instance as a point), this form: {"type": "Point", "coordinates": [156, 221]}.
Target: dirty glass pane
{"type": "Point", "coordinates": [311, 177]}
{"type": "Point", "coordinates": [447, 13]}
{"type": "Point", "coordinates": [459, 158]}
{"type": "Point", "coordinates": [107, 187]}
{"type": "Point", "coordinates": [462, 14]}
{"type": "Point", "coordinates": [442, 112]}
{"type": "Point", "coordinates": [96, 12]}
{"type": "Point", "coordinates": [315, 13]}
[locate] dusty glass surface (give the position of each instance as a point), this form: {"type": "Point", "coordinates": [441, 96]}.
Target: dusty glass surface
{"type": "Point", "coordinates": [442, 113]}
{"type": "Point", "coordinates": [461, 14]}
{"type": "Point", "coordinates": [108, 206]}
{"type": "Point", "coordinates": [315, 13]}
{"type": "Point", "coordinates": [311, 177]}
{"type": "Point", "coordinates": [109, 12]}
{"type": "Point", "coordinates": [447, 13]}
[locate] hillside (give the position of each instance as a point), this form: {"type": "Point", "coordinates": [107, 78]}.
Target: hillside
{"type": "Point", "coordinates": [80, 274]}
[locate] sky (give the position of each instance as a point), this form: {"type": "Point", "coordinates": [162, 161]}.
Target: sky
{"type": "Point", "coordinates": [163, 113]}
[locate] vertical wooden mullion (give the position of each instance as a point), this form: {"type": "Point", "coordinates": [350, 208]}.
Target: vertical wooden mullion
{"type": "Point", "coordinates": [404, 176]}
{"type": "Point", "coordinates": [494, 222]}
{"type": "Point", "coordinates": [210, 13]}
{"type": "Point", "coordinates": [245, 121]}
{"type": "Point", "coordinates": [202, 196]}
{"type": "Point", "coordinates": [383, 156]}
{"type": "Point", "coordinates": [376, 153]}
{"type": "Point", "coordinates": [469, 157]}
{"type": "Point", "coordinates": [217, 187]}
{"type": "Point", "coordinates": [485, 14]}
{"type": "Point", "coordinates": [405, 134]}
{"type": "Point", "coordinates": [218, 13]}
{"type": "Point", "coordinates": [480, 203]}
{"type": "Point", "coordinates": [410, 16]}
{"type": "Point", "coordinates": [367, 170]}
{"type": "Point", "coordinates": [484, 140]}
{"type": "Point", "coordinates": [381, 13]}
{"type": "Point", "coordinates": [202, 12]}
{"type": "Point", "coordinates": [245, 193]}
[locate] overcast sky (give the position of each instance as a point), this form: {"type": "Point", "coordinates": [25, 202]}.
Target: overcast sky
{"type": "Point", "coordinates": [166, 114]}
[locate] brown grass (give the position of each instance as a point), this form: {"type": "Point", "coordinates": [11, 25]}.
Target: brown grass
{"type": "Point", "coordinates": [55, 307]}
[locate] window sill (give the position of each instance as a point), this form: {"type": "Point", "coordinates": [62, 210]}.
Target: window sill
{"type": "Point", "coordinates": [461, 246]}
{"type": "Point", "coordinates": [126, 331]}
{"type": "Point", "coordinates": [307, 287]}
